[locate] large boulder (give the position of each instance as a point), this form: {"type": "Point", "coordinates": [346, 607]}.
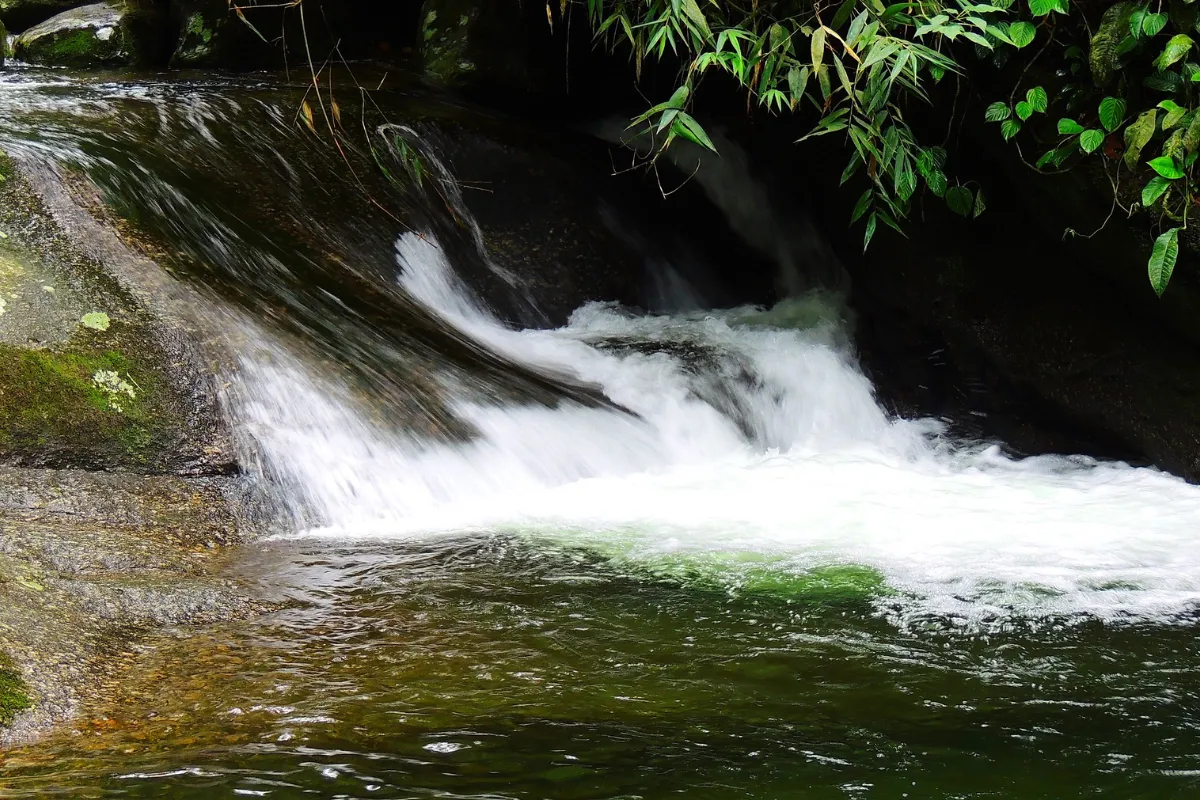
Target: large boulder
{"type": "Point", "coordinates": [98, 35]}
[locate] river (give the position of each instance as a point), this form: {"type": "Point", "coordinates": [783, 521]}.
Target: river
{"type": "Point", "coordinates": [737, 577]}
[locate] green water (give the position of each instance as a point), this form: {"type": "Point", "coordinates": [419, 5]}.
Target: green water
{"type": "Point", "coordinates": [488, 668]}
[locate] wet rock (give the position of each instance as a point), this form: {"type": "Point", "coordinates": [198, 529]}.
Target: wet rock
{"type": "Point", "coordinates": [89, 377]}
{"type": "Point", "coordinates": [92, 562]}
{"type": "Point", "coordinates": [98, 35]}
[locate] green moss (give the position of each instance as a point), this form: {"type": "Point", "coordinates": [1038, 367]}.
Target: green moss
{"type": "Point", "coordinates": [79, 47]}
{"type": "Point", "coordinates": [14, 696]}
{"type": "Point", "coordinates": [85, 405]}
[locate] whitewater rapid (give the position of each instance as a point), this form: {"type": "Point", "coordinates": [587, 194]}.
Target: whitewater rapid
{"type": "Point", "coordinates": [755, 448]}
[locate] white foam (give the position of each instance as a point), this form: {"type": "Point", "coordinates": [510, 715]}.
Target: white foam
{"type": "Point", "coordinates": [757, 445]}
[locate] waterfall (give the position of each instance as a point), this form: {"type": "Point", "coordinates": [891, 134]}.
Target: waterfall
{"type": "Point", "coordinates": [755, 447]}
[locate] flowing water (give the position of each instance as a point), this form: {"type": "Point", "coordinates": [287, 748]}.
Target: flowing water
{"type": "Point", "coordinates": [739, 577]}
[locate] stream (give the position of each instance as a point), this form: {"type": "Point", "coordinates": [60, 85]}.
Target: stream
{"type": "Point", "coordinates": [732, 575]}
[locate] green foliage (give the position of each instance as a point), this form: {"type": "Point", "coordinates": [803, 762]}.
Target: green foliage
{"type": "Point", "coordinates": [855, 65]}
{"type": "Point", "coordinates": [1162, 260]}
{"type": "Point", "coordinates": [1123, 91]}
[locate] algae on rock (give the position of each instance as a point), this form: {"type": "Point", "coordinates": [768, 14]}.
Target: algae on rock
{"type": "Point", "coordinates": [14, 695]}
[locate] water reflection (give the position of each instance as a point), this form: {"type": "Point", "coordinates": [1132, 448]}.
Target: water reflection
{"type": "Point", "coordinates": [487, 667]}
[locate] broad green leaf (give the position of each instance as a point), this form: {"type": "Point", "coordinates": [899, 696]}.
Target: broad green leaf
{"type": "Point", "coordinates": [1191, 135]}
{"type": "Point", "coordinates": [1152, 24]}
{"type": "Point", "coordinates": [1137, 136]}
{"type": "Point", "coordinates": [960, 200]}
{"type": "Point", "coordinates": [1046, 158]}
{"type": "Point", "coordinates": [1009, 128]}
{"type": "Point", "coordinates": [1112, 113]}
{"type": "Point", "coordinates": [1166, 167]}
{"type": "Point", "coordinates": [1069, 127]}
{"type": "Point", "coordinates": [937, 183]}
{"type": "Point", "coordinates": [1024, 110]}
{"type": "Point", "coordinates": [997, 112]}
{"type": "Point", "coordinates": [1154, 190]}
{"type": "Point", "coordinates": [1170, 82]}
{"type": "Point", "coordinates": [1174, 113]}
{"type": "Point", "coordinates": [1173, 146]}
{"type": "Point", "coordinates": [1091, 139]}
{"type": "Point", "coordinates": [1022, 33]}
{"type": "Point", "coordinates": [1040, 8]}
{"type": "Point", "coordinates": [1177, 47]}
{"type": "Point", "coordinates": [1162, 260]}
{"type": "Point", "coordinates": [1037, 99]}
{"type": "Point", "coordinates": [979, 206]}
{"type": "Point", "coordinates": [1104, 58]}
{"type": "Point", "coordinates": [1135, 21]}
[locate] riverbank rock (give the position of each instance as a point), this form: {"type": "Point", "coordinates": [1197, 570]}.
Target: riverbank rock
{"type": "Point", "coordinates": [91, 562]}
{"type": "Point", "coordinates": [89, 377]}
{"type": "Point", "coordinates": [98, 35]}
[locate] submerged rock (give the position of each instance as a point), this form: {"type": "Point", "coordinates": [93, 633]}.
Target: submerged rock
{"type": "Point", "coordinates": [103, 34]}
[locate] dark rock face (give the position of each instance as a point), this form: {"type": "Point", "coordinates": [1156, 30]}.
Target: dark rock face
{"type": "Point", "coordinates": [22, 14]}
{"type": "Point", "coordinates": [1057, 357]}
{"type": "Point", "coordinates": [466, 44]}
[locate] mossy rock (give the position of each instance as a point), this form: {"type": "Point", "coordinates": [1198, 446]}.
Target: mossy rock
{"type": "Point", "coordinates": [14, 695]}
{"type": "Point", "coordinates": [96, 35]}
{"type": "Point", "coordinates": [84, 405]}
{"type": "Point", "coordinates": [200, 38]}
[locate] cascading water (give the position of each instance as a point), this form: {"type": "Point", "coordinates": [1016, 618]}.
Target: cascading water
{"type": "Point", "coordinates": [755, 449]}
